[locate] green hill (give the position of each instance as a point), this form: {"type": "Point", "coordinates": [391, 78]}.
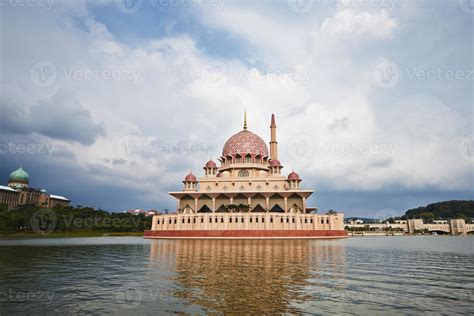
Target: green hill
{"type": "Point", "coordinates": [443, 210]}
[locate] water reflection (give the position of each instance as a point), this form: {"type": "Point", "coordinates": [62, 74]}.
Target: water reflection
{"type": "Point", "coordinates": [258, 276]}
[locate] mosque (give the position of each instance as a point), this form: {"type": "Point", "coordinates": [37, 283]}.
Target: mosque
{"type": "Point", "coordinates": [18, 192]}
{"type": "Point", "coordinates": [249, 178]}
{"type": "Point", "coordinates": [247, 196]}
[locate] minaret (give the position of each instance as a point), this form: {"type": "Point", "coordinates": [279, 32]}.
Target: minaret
{"type": "Point", "coordinates": [245, 120]}
{"type": "Point", "coordinates": [273, 139]}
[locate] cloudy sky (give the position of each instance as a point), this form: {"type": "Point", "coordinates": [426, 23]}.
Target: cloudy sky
{"type": "Point", "coordinates": [111, 103]}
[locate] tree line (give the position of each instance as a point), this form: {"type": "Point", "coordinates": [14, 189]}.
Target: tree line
{"type": "Point", "coordinates": [60, 219]}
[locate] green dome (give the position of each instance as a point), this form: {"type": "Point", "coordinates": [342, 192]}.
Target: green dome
{"type": "Point", "coordinates": [19, 175]}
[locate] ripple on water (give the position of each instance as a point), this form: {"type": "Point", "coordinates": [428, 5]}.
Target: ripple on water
{"type": "Point", "coordinates": [410, 275]}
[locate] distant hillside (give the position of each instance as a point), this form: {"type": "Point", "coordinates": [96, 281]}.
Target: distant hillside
{"type": "Point", "coordinates": [443, 210]}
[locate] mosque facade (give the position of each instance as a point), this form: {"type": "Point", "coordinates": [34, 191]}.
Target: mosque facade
{"type": "Point", "coordinates": [246, 196]}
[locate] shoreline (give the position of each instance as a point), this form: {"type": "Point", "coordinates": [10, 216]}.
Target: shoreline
{"type": "Point", "coordinates": [6, 236]}
{"type": "Point", "coordinates": [69, 235]}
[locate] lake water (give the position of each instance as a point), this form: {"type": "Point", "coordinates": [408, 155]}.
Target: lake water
{"type": "Point", "coordinates": [131, 275]}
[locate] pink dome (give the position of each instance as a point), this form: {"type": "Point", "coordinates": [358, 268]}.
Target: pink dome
{"type": "Point", "coordinates": [245, 142]}
{"type": "Point", "coordinates": [293, 176]}
{"type": "Point", "coordinates": [219, 175]}
{"type": "Point", "coordinates": [210, 164]}
{"type": "Point", "coordinates": [190, 177]}
{"type": "Point", "coordinates": [275, 163]}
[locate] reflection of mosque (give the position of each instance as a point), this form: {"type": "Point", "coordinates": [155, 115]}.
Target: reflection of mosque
{"type": "Point", "coordinates": [248, 276]}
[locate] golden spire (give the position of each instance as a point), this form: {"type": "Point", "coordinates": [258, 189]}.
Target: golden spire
{"type": "Point", "coordinates": [245, 119]}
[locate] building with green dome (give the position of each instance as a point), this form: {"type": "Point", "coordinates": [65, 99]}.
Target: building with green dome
{"type": "Point", "coordinates": [19, 179]}
{"type": "Point", "coordinates": [19, 192]}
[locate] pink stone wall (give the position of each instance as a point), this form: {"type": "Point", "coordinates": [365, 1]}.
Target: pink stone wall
{"type": "Point", "coordinates": [245, 234]}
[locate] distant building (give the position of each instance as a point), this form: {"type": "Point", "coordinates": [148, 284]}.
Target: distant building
{"type": "Point", "coordinates": [18, 192]}
{"type": "Point", "coordinates": [354, 221]}
{"type": "Point", "coordinates": [135, 212]}
{"type": "Point", "coordinates": [400, 221]}
{"type": "Point", "coordinates": [146, 213]}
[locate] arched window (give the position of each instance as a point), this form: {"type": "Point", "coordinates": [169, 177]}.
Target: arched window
{"type": "Point", "coordinates": [243, 173]}
{"type": "Point", "coordinates": [248, 159]}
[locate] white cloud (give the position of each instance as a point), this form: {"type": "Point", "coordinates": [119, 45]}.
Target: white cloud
{"type": "Point", "coordinates": [175, 105]}
{"type": "Point", "coordinates": [348, 23]}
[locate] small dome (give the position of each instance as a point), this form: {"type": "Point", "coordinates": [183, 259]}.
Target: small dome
{"type": "Point", "coordinates": [19, 175]}
{"type": "Point", "coordinates": [293, 176]}
{"type": "Point", "coordinates": [275, 163]}
{"type": "Point", "coordinates": [211, 164]}
{"type": "Point", "coordinates": [190, 177]}
{"type": "Point", "coordinates": [43, 191]}
{"type": "Point", "coordinates": [219, 175]}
